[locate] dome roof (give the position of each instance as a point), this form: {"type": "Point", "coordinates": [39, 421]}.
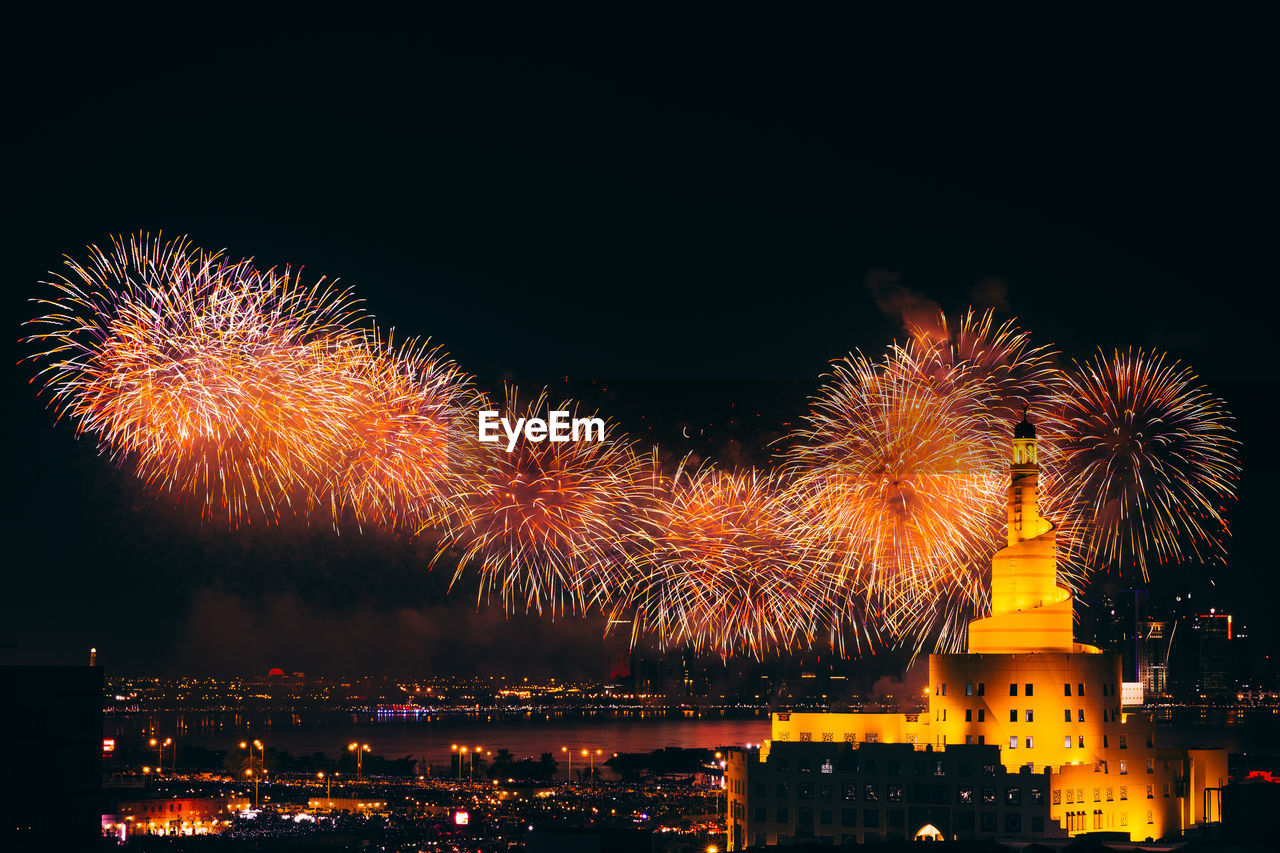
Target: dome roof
{"type": "Point", "coordinates": [1024, 427]}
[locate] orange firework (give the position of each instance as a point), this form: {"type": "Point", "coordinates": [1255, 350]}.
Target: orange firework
{"type": "Point", "coordinates": [261, 396]}
{"type": "Point", "coordinates": [552, 521]}
{"type": "Point", "coordinates": [729, 568]}
{"type": "Point", "coordinates": [406, 458]}
{"type": "Point", "coordinates": [900, 471]}
{"type": "Point", "coordinates": [247, 389]}
{"type": "Point", "coordinates": [1151, 458]}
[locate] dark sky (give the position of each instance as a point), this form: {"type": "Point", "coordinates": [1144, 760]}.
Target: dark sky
{"type": "Point", "coordinates": [685, 209]}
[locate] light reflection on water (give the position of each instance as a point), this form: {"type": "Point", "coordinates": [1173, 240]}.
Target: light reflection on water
{"type": "Point", "coordinates": [429, 737]}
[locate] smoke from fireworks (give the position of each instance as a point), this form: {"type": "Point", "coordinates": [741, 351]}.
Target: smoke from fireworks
{"type": "Point", "coordinates": [260, 396]}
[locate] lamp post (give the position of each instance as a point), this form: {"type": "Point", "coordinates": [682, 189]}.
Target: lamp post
{"type": "Point", "coordinates": [591, 756]}
{"type": "Point", "coordinates": [328, 781]}
{"type": "Point", "coordinates": [155, 744]}
{"type": "Point", "coordinates": [566, 749]}
{"type": "Point", "coordinates": [471, 764]}
{"type": "Point", "coordinates": [359, 749]}
{"type": "Point", "coordinates": [174, 743]}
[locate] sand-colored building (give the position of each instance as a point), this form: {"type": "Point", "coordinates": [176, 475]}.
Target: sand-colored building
{"type": "Point", "coordinates": [1052, 708]}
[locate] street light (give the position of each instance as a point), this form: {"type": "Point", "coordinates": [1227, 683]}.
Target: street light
{"type": "Point", "coordinates": [359, 749]}
{"type": "Point", "coordinates": [592, 756]}
{"type": "Point", "coordinates": [327, 782]}
{"type": "Point", "coordinates": [170, 741]}
{"type": "Point", "coordinates": [566, 749]}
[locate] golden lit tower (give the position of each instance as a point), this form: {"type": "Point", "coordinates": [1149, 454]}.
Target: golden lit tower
{"type": "Point", "coordinates": [1029, 611]}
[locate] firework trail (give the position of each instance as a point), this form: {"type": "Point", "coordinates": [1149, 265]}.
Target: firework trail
{"type": "Point", "coordinates": [1152, 457]}
{"type": "Point", "coordinates": [260, 396]}
{"type": "Point", "coordinates": [551, 522]}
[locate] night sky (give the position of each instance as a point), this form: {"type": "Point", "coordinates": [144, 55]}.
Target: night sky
{"type": "Point", "coordinates": [677, 217]}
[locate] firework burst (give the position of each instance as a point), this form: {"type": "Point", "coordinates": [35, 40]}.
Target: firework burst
{"type": "Point", "coordinates": [1151, 455]}
{"type": "Point", "coordinates": [897, 468]}
{"type": "Point", "coordinates": [259, 396]}
{"type": "Point", "coordinates": [551, 522]}
{"type": "Point", "coordinates": [729, 568]}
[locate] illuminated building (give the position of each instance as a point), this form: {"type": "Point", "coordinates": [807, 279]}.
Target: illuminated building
{"type": "Point", "coordinates": [1025, 735]}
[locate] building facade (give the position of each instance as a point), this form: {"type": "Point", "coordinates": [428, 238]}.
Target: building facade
{"type": "Point", "coordinates": [1029, 719]}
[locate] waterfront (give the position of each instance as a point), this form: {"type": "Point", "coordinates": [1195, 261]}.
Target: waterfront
{"type": "Point", "coordinates": [429, 738]}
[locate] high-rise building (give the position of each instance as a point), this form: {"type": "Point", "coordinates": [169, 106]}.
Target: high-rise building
{"type": "Point", "coordinates": [1027, 734]}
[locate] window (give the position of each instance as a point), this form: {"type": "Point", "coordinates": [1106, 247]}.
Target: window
{"type": "Point", "coordinates": [1124, 771]}
{"type": "Point", "coordinates": [968, 688]}
{"type": "Point", "coordinates": [1066, 715]}
{"type": "Point", "coordinates": [895, 793]}
{"type": "Point", "coordinates": [982, 715]}
{"type": "Point", "coordinates": [1013, 741]}
{"type": "Point", "coordinates": [1124, 742]}
{"type": "Point", "coordinates": [1166, 789]}
{"type": "Point", "coordinates": [1066, 742]}
{"type": "Point", "coordinates": [784, 790]}
{"type": "Point", "coordinates": [784, 765]}
{"type": "Point", "coordinates": [1151, 741]}
{"type": "Point", "coordinates": [1037, 823]}
{"type": "Point", "coordinates": [982, 689]}
{"type": "Point", "coordinates": [988, 795]}
{"type": "Point", "coordinates": [942, 690]}
{"type": "Point", "coordinates": [1097, 795]}
{"type": "Point", "coordinates": [760, 789]}
{"type": "Point", "coordinates": [1037, 795]}
{"type": "Point", "coordinates": [870, 818]}
{"type": "Point", "coordinates": [988, 821]}
{"type": "Point", "coordinates": [1030, 742]}
{"type": "Point", "coordinates": [848, 817]}
{"type": "Point", "coordinates": [968, 739]}
{"type": "Point", "coordinates": [784, 815]}
{"type": "Point", "coordinates": [982, 739]}
{"type": "Point", "coordinates": [1013, 715]}
{"type": "Point", "coordinates": [1104, 741]}
{"type": "Point", "coordinates": [806, 791]}
{"type": "Point", "coordinates": [895, 768]}
{"type": "Point", "coordinates": [1057, 796]}
{"type": "Point", "coordinates": [824, 817]}
{"type": "Point", "coordinates": [1012, 822]}
{"type": "Point", "coordinates": [1029, 717]}
{"type": "Point", "coordinates": [824, 792]}
{"type": "Point", "coordinates": [964, 795]}
{"type": "Point", "coordinates": [944, 715]}
{"type": "Point", "coordinates": [1066, 690]}
{"type": "Point", "coordinates": [761, 814]}
{"type": "Point", "coordinates": [1079, 689]}
{"type": "Point", "coordinates": [805, 815]}
{"type": "Point", "coordinates": [871, 793]}
{"type": "Point", "coordinates": [1028, 687]}
{"type": "Point", "coordinates": [1013, 796]}
{"type": "Point", "coordinates": [849, 791]}
{"type": "Point", "coordinates": [1013, 690]}
{"type": "Point", "coordinates": [1151, 765]}
{"type": "Point", "coordinates": [1149, 816]}
{"type": "Point", "coordinates": [1080, 742]}
{"type": "Point", "coordinates": [968, 715]}
{"type": "Point", "coordinates": [806, 737]}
